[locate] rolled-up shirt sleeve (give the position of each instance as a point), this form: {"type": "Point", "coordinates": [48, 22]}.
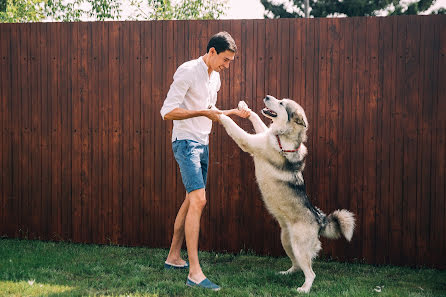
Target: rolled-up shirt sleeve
{"type": "Point", "coordinates": [178, 88]}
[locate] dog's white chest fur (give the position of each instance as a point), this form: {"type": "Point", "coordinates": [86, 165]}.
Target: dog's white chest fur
{"type": "Point", "coordinates": [274, 183]}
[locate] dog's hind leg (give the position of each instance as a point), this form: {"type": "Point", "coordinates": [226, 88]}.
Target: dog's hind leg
{"type": "Point", "coordinates": [286, 243]}
{"type": "Point", "coordinates": [305, 263]}
{"type": "Point", "coordinates": [303, 251]}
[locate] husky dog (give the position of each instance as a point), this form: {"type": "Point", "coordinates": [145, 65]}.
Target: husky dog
{"type": "Point", "coordinates": [279, 157]}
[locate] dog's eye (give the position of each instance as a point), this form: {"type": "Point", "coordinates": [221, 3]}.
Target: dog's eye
{"type": "Point", "coordinates": [281, 103]}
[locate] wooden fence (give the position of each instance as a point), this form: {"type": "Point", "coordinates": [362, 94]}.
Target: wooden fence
{"type": "Point", "coordinates": [86, 157]}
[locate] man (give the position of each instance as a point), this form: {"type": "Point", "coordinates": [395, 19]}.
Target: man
{"type": "Point", "coordinates": [190, 102]}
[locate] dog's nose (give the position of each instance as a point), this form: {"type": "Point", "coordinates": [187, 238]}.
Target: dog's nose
{"type": "Point", "coordinates": [267, 98]}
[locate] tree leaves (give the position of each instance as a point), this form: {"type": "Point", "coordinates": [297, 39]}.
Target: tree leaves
{"type": "Point", "coordinates": [103, 10]}
{"type": "Point", "coordinates": [324, 8]}
{"type": "Point", "coordinates": [20, 11]}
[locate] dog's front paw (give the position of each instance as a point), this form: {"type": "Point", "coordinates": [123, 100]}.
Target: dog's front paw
{"type": "Point", "coordinates": [243, 106]}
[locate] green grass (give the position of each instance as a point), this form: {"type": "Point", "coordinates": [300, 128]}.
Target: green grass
{"type": "Point", "coordinates": [66, 269]}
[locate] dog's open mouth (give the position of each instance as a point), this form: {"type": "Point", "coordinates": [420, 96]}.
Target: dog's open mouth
{"type": "Point", "coordinates": [269, 112]}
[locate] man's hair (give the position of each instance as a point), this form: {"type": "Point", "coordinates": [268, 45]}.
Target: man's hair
{"type": "Point", "coordinates": [222, 41]}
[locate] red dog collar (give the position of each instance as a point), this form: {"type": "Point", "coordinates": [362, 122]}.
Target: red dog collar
{"type": "Point", "coordinates": [286, 151]}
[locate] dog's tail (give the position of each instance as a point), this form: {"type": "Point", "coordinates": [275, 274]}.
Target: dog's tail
{"type": "Point", "coordinates": [339, 222]}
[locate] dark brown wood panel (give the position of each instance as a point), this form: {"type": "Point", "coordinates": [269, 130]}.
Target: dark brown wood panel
{"type": "Point", "coordinates": [85, 155]}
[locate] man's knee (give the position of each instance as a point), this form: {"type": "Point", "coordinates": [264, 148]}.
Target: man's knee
{"type": "Point", "coordinates": [197, 198]}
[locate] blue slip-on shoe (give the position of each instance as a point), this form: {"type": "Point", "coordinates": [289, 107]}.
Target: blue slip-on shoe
{"type": "Point", "coordinates": [206, 283]}
{"type": "Point", "coordinates": [174, 266]}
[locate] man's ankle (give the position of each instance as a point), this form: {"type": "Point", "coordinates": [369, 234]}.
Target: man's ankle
{"type": "Point", "coordinates": [197, 277]}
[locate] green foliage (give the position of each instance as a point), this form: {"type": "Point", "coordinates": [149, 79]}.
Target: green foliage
{"type": "Point", "coordinates": [441, 10]}
{"type": "Point", "coordinates": [350, 8]}
{"type": "Point", "coordinates": [21, 11]}
{"type": "Point", "coordinates": [103, 10]}
{"type": "Point", "coordinates": [77, 10]}
{"type": "Point", "coordinates": [180, 10]}
{"type": "Point", "coordinates": [414, 8]}
{"type": "Point", "coordinates": [36, 268]}
{"type": "Point", "coordinates": [3, 5]}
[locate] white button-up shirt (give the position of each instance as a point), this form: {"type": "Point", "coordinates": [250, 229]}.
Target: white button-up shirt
{"type": "Point", "coordinates": [192, 89]}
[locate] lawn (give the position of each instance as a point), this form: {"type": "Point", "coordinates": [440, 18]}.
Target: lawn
{"type": "Point", "coordinates": [36, 268]}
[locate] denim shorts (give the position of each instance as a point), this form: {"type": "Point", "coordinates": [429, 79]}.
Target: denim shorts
{"type": "Point", "coordinates": [192, 158]}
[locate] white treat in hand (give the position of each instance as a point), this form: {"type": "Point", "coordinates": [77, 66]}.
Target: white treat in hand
{"type": "Point", "coordinates": [243, 106]}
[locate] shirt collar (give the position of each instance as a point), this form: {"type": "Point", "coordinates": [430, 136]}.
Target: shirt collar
{"type": "Point", "coordinates": [205, 67]}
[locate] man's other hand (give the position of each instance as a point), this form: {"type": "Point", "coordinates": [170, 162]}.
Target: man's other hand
{"type": "Point", "coordinates": [212, 114]}
{"type": "Point", "coordinates": [244, 113]}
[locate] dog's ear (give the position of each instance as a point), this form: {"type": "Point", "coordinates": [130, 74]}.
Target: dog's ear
{"type": "Point", "coordinates": [299, 120]}
{"type": "Point", "coordinates": [296, 117]}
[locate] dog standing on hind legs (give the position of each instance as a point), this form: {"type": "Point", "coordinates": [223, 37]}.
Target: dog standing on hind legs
{"type": "Point", "coordinates": [279, 158]}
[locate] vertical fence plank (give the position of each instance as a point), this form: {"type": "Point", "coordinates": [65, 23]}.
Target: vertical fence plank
{"type": "Point", "coordinates": [66, 53]}
{"type": "Point", "coordinates": [116, 155]}
{"type": "Point", "coordinates": [45, 131]}
{"type": "Point", "coordinates": [386, 72]}
{"type": "Point", "coordinates": [442, 132]}
{"type": "Point", "coordinates": [56, 132]}
{"type": "Point", "coordinates": [11, 167]}
{"type": "Point", "coordinates": [76, 149]}
{"type": "Point", "coordinates": [20, 129]}
{"type": "Point", "coordinates": [137, 169]}
{"type": "Point", "coordinates": [397, 166]}
{"type": "Point", "coordinates": [93, 117]}
{"type": "Point", "coordinates": [439, 248]}
{"type": "Point", "coordinates": [4, 89]}
{"type": "Point", "coordinates": [357, 149]}
{"type": "Point", "coordinates": [370, 134]}
{"type": "Point", "coordinates": [334, 143]}
{"type": "Point", "coordinates": [410, 123]}
{"type": "Point", "coordinates": [158, 96]}
{"type": "Point", "coordinates": [25, 160]}
{"type": "Point", "coordinates": [346, 125]}
{"type": "Point", "coordinates": [148, 115]}
{"type": "Point", "coordinates": [125, 107]}
{"type": "Point", "coordinates": [297, 75]}
{"type": "Point", "coordinates": [35, 115]}
{"type": "Point", "coordinates": [85, 98]}
{"type": "Point", "coordinates": [104, 133]}
{"type": "Point", "coordinates": [434, 235]}
{"type": "Point", "coordinates": [129, 101]}
{"type": "Point", "coordinates": [283, 59]}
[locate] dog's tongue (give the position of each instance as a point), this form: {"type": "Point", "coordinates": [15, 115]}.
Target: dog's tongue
{"type": "Point", "coordinates": [269, 112]}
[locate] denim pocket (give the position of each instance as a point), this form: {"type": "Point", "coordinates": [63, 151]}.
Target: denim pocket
{"type": "Point", "coordinates": [179, 146]}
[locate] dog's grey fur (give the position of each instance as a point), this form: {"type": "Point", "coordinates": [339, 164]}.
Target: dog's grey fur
{"type": "Point", "coordinates": [280, 177]}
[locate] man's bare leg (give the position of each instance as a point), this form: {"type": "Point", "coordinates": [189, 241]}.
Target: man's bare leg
{"type": "Point", "coordinates": [197, 201]}
{"type": "Point", "coordinates": [174, 256]}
